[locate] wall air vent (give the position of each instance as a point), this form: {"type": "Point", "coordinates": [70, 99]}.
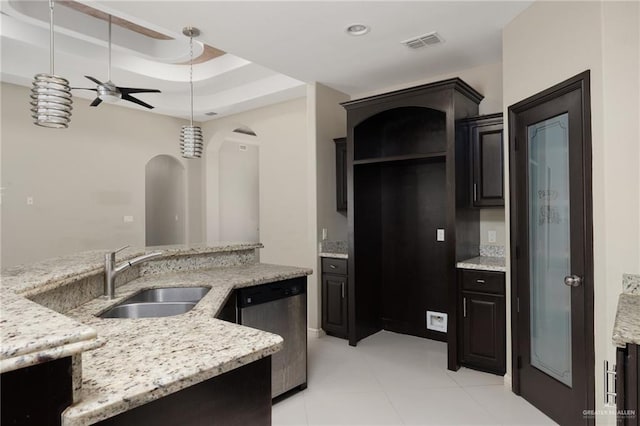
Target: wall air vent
{"type": "Point", "coordinates": [423, 40]}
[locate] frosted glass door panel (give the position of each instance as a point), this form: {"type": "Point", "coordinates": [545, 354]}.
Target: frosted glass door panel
{"type": "Point", "coordinates": [549, 247]}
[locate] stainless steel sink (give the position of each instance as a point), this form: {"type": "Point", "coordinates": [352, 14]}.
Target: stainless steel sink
{"type": "Point", "coordinates": [172, 294]}
{"type": "Point", "coordinates": [158, 302]}
{"type": "Point", "coordinates": [148, 310]}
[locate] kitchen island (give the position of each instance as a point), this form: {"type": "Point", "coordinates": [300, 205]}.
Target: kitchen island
{"type": "Point", "coordinates": [132, 362]}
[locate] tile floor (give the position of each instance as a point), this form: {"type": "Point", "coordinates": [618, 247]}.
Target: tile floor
{"type": "Point", "coordinates": [394, 379]}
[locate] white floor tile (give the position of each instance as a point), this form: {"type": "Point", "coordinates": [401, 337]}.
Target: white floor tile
{"type": "Point", "coordinates": [507, 407]}
{"type": "Point", "coordinates": [290, 411]}
{"type": "Point", "coordinates": [361, 408]}
{"type": "Point", "coordinates": [446, 406]}
{"type": "Point", "coordinates": [469, 377]}
{"type": "Point", "coordinates": [394, 379]}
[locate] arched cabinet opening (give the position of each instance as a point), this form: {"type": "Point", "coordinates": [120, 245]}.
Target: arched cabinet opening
{"type": "Point", "coordinates": [401, 131]}
{"type": "Point", "coordinates": [164, 201]}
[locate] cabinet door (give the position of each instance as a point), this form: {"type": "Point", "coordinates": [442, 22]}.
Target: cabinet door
{"type": "Point", "coordinates": [334, 305]}
{"type": "Point", "coordinates": [484, 339]}
{"type": "Point", "coordinates": [488, 176]}
{"type": "Point", "coordinates": [341, 174]}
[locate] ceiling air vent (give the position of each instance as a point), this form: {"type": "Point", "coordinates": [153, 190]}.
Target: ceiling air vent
{"type": "Point", "coordinates": [211, 113]}
{"type": "Point", "coordinates": [423, 40]}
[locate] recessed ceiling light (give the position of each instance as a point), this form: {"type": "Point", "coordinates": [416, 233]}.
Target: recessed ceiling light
{"type": "Point", "coordinates": [357, 29]}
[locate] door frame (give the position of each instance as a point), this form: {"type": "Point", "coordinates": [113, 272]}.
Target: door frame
{"type": "Point", "coordinates": [578, 82]}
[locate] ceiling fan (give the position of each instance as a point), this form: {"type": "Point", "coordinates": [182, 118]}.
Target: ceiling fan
{"type": "Point", "coordinates": [109, 92]}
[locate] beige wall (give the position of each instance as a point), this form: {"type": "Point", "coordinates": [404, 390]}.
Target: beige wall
{"type": "Point", "coordinates": [548, 43]}
{"type": "Point", "coordinates": [287, 184]}
{"type": "Point", "coordinates": [83, 179]}
{"type": "Point", "coordinates": [331, 123]}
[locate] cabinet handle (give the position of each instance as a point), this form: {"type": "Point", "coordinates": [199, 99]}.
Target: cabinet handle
{"type": "Point", "coordinates": [480, 281]}
{"type": "Point", "coordinates": [342, 288]}
{"type": "Point", "coordinates": [475, 191]}
{"type": "Point", "coordinates": [464, 307]}
{"type": "Point", "coordinates": [332, 266]}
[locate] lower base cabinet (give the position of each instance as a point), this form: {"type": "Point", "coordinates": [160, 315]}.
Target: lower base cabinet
{"type": "Point", "coordinates": [36, 395]}
{"type": "Point", "coordinates": [628, 385]}
{"type": "Point", "coordinates": [236, 398]}
{"type": "Point", "coordinates": [483, 337]}
{"type": "Point", "coordinates": [334, 297]}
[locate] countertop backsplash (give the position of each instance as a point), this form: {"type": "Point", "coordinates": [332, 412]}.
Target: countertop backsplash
{"type": "Point", "coordinates": [487, 250]}
{"type": "Point", "coordinates": [334, 247]}
{"type": "Point", "coordinates": [631, 284]}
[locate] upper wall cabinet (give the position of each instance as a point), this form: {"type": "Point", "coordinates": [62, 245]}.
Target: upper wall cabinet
{"type": "Point", "coordinates": [341, 174]}
{"type": "Point", "coordinates": [484, 135]}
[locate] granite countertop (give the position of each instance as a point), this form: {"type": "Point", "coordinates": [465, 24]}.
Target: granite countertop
{"type": "Point", "coordinates": [626, 328]}
{"type": "Point", "coordinates": [31, 334]}
{"type": "Point", "coordinates": [484, 263]}
{"type": "Point", "coordinates": [146, 359]}
{"type": "Point", "coordinates": [334, 255]}
{"type": "Point", "coordinates": [56, 272]}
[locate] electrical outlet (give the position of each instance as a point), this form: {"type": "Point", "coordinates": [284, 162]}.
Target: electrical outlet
{"type": "Point", "coordinates": [492, 236]}
{"type": "Point", "coordinates": [29, 201]}
{"type": "Point", "coordinates": [324, 234]}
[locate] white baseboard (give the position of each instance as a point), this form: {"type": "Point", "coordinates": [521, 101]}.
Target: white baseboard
{"type": "Point", "coordinates": [507, 381]}
{"type": "Point", "coordinates": [315, 332]}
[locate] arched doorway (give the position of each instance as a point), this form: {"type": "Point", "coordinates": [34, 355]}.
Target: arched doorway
{"type": "Point", "coordinates": [164, 201]}
{"type": "Point", "coordinates": [233, 210]}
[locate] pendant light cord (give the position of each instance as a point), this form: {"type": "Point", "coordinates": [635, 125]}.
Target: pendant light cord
{"type": "Point", "coordinates": [109, 71]}
{"type": "Point", "coordinates": [191, 75]}
{"type": "Point", "coordinates": [51, 59]}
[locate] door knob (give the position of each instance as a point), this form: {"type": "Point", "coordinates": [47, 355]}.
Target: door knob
{"type": "Point", "coordinates": [572, 280]}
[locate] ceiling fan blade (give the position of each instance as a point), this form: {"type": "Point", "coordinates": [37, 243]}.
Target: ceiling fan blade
{"type": "Point", "coordinates": [125, 90]}
{"type": "Point", "coordinates": [96, 102]}
{"type": "Point", "coordinates": [126, 97]}
{"type": "Point", "coordinates": [95, 80]}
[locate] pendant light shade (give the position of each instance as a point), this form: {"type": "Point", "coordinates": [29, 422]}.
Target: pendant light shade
{"type": "Point", "coordinates": [50, 94]}
{"type": "Point", "coordinates": [191, 141]}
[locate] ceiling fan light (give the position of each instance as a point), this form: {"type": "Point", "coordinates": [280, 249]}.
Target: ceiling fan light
{"type": "Point", "coordinates": [51, 101]}
{"type": "Point", "coordinates": [191, 141]}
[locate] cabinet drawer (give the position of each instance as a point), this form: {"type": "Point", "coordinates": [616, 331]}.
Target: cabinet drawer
{"type": "Point", "coordinates": [483, 281]}
{"type": "Point", "coordinates": [334, 266]}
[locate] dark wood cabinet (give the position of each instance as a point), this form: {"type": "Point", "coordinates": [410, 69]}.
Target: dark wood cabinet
{"type": "Point", "coordinates": [628, 385]}
{"type": "Point", "coordinates": [341, 174]}
{"type": "Point", "coordinates": [484, 135]}
{"type": "Point", "coordinates": [483, 321]}
{"type": "Point", "coordinates": [406, 226]}
{"type": "Point", "coordinates": [37, 395]}
{"type": "Point", "coordinates": [334, 297]}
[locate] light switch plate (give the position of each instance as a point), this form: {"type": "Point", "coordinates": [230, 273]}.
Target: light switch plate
{"type": "Point", "coordinates": [492, 236]}
{"type": "Point", "coordinates": [440, 235]}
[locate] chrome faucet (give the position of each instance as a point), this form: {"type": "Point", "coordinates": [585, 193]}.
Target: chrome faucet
{"type": "Point", "coordinates": [111, 271]}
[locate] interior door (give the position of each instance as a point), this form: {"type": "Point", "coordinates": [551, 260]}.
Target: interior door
{"type": "Point", "coordinates": [551, 241]}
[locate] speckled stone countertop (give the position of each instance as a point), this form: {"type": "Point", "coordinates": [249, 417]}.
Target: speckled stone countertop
{"type": "Point", "coordinates": [484, 263]}
{"type": "Point", "coordinates": [626, 328]}
{"type": "Point", "coordinates": [55, 272]}
{"type": "Point", "coordinates": [146, 359]}
{"type": "Point", "coordinates": [31, 334]}
{"type": "Point", "coordinates": [334, 255]}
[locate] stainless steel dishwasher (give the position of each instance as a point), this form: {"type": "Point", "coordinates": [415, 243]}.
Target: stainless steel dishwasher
{"type": "Point", "coordinates": [280, 308]}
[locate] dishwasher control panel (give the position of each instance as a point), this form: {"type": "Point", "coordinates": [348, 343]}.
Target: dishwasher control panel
{"type": "Point", "coordinates": [272, 291]}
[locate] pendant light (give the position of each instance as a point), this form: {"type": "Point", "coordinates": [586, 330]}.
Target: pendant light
{"type": "Point", "coordinates": [191, 136]}
{"type": "Point", "coordinates": [50, 94]}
